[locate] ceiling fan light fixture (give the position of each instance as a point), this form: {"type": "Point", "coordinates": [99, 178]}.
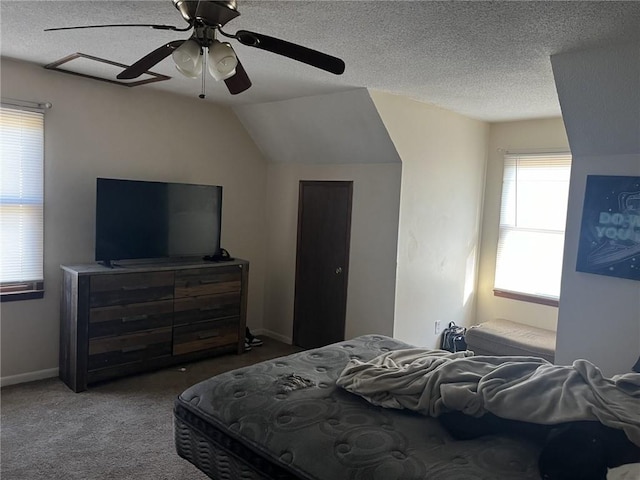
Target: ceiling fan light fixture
{"type": "Point", "coordinates": [188, 59]}
{"type": "Point", "coordinates": [222, 60]}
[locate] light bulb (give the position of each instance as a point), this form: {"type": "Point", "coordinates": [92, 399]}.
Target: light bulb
{"type": "Point", "coordinates": [222, 60]}
{"type": "Point", "coordinates": [188, 59]}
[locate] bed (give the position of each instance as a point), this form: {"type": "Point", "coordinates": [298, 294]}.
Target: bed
{"type": "Point", "coordinates": [286, 419]}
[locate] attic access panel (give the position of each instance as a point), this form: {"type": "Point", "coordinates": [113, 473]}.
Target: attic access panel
{"type": "Point", "coordinates": [81, 64]}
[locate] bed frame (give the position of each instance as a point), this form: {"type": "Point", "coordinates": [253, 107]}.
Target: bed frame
{"type": "Point", "coordinates": [286, 419]}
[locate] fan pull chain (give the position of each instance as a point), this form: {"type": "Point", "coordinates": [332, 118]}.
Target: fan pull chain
{"type": "Point", "coordinates": [204, 73]}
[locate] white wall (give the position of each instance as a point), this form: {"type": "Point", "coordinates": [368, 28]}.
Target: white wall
{"type": "Point", "coordinates": [599, 316]}
{"type": "Point", "coordinates": [372, 263]}
{"type": "Point", "coordinates": [599, 92]}
{"type": "Point", "coordinates": [97, 129]}
{"type": "Point", "coordinates": [443, 166]}
{"type": "Point", "coordinates": [521, 136]}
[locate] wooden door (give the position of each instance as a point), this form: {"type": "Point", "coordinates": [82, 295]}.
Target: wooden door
{"type": "Point", "coordinates": [322, 262]}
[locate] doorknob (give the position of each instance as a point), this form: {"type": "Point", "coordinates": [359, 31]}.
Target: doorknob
{"type": "Point", "coordinates": [338, 270]}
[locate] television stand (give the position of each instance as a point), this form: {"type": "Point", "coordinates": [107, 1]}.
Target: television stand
{"type": "Point", "coordinates": [121, 321]}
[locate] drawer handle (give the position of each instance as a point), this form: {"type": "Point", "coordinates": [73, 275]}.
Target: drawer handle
{"type": "Point", "coordinates": [204, 336]}
{"type": "Point", "coordinates": [207, 282]}
{"type": "Point", "coordinates": [207, 309]}
{"type": "Point", "coordinates": [134, 318]}
{"type": "Point", "coordinates": [135, 287]}
{"type": "Point", "coordinates": [133, 349]}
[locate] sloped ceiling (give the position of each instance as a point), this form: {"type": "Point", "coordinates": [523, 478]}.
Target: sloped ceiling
{"type": "Point", "coordinates": [601, 121]}
{"type": "Point", "coordinates": [339, 128]}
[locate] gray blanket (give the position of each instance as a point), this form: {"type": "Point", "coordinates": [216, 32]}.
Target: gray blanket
{"type": "Point", "coordinates": [518, 388]}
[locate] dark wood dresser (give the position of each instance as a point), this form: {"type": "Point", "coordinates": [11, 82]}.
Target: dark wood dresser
{"type": "Point", "coordinates": [124, 320]}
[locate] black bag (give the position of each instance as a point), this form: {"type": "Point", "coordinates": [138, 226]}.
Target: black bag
{"type": "Point", "coordinates": [453, 338]}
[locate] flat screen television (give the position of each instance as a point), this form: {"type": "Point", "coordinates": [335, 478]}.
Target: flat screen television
{"type": "Point", "coordinates": [144, 220]}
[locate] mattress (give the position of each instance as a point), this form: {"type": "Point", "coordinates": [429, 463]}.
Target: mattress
{"type": "Point", "coordinates": [286, 419]}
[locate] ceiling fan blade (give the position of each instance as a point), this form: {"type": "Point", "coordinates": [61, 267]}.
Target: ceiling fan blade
{"type": "Point", "coordinates": [150, 25]}
{"type": "Point", "coordinates": [239, 82]}
{"type": "Point", "coordinates": [291, 50]}
{"type": "Point", "coordinates": [149, 60]}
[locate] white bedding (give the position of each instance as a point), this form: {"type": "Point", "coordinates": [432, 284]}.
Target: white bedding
{"type": "Point", "coordinates": [518, 388]}
{"type": "Point", "coordinates": [630, 471]}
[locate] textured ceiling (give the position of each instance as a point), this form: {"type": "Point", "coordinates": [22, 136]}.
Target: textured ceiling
{"type": "Point", "coordinates": [486, 60]}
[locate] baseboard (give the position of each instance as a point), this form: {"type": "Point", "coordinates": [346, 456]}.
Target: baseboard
{"type": "Point", "coordinates": [28, 377]}
{"type": "Point", "coordinates": [268, 333]}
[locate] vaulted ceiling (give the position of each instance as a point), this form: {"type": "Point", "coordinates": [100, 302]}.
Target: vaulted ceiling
{"type": "Point", "coordinates": [485, 60]}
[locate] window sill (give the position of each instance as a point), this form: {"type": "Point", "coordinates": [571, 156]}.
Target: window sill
{"type": "Point", "coordinates": [23, 291]}
{"type": "Point", "coordinates": [15, 296]}
{"type": "Point", "coordinates": [526, 297]}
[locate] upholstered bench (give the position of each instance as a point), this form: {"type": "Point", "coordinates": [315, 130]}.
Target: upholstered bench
{"type": "Point", "coordinates": [503, 337]}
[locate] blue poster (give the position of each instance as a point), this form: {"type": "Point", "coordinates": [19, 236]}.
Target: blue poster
{"type": "Point", "coordinates": [610, 233]}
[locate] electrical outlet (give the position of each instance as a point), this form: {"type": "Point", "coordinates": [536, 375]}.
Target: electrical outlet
{"type": "Point", "coordinates": [437, 327]}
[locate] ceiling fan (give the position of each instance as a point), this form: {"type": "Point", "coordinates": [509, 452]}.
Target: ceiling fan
{"type": "Point", "coordinates": [206, 18]}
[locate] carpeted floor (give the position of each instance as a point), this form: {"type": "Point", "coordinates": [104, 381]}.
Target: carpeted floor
{"type": "Point", "coordinates": [115, 430]}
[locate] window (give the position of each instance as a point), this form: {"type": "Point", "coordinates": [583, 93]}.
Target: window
{"type": "Point", "coordinates": [21, 202]}
{"type": "Point", "coordinates": [533, 214]}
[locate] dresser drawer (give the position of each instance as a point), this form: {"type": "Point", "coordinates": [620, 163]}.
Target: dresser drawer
{"type": "Point", "coordinates": [109, 351]}
{"type": "Point", "coordinates": [208, 281]}
{"type": "Point", "coordinates": [205, 335]}
{"type": "Point", "coordinates": [130, 288]}
{"type": "Point", "coordinates": [210, 307]}
{"type": "Point", "coordinates": [122, 319]}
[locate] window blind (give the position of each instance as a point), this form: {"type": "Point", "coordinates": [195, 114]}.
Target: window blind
{"type": "Point", "coordinates": [21, 195]}
{"type": "Point", "coordinates": [533, 214]}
